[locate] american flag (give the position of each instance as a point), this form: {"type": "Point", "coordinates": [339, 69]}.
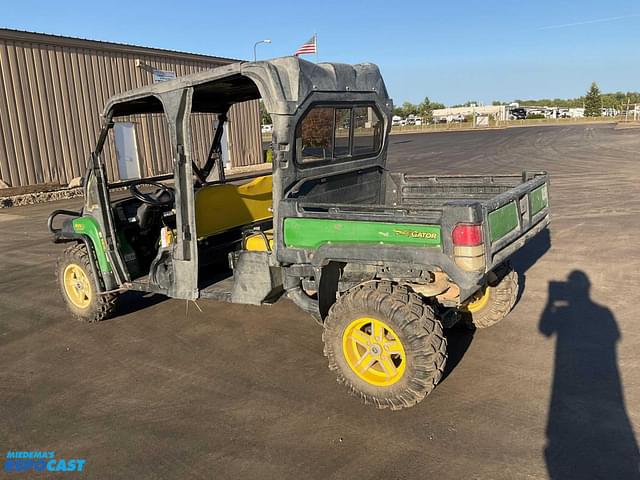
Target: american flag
{"type": "Point", "coordinates": [310, 46]}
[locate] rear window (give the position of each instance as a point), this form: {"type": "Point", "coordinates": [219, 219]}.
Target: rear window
{"type": "Point", "coordinates": [328, 133]}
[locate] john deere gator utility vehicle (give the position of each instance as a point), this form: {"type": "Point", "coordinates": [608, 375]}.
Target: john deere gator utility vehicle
{"type": "Point", "coordinates": [383, 261]}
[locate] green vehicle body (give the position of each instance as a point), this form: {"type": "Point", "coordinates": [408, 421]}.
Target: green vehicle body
{"type": "Point", "coordinates": [88, 226]}
{"type": "Point", "coordinates": [313, 233]}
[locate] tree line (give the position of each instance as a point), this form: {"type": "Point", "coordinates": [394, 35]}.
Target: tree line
{"type": "Point", "coordinates": [593, 101]}
{"type": "Point", "coordinates": [609, 100]}
{"type": "Point", "coordinates": [423, 109]}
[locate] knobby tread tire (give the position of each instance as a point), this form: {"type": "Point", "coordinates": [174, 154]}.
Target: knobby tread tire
{"type": "Point", "coordinates": [503, 293]}
{"type": "Point", "coordinates": [102, 306]}
{"type": "Point", "coordinates": [418, 329]}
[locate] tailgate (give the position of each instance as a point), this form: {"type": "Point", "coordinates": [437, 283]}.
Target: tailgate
{"type": "Point", "coordinates": [515, 216]}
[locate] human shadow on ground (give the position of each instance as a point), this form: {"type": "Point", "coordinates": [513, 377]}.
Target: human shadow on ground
{"type": "Point", "coordinates": [589, 434]}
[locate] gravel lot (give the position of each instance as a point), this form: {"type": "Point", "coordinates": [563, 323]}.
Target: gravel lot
{"type": "Point", "coordinates": [167, 391]}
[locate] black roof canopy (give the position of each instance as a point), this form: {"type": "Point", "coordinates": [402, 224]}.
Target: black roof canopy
{"type": "Point", "coordinates": [283, 84]}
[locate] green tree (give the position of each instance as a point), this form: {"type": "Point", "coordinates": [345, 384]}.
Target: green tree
{"type": "Point", "coordinates": [398, 111]}
{"type": "Point", "coordinates": [427, 107]}
{"type": "Point", "coordinates": [423, 109]}
{"type": "Point", "coordinates": [593, 102]}
{"type": "Point", "coordinates": [409, 108]}
{"type": "Point", "coordinates": [468, 103]}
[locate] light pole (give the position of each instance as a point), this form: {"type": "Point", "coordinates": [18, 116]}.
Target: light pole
{"type": "Point", "coordinates": [256, 44]}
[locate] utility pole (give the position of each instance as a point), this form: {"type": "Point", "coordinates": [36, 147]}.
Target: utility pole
{"type": "Point", "coordinates": [626, 115]}
{"type": "Point", "coordinates": [255, 45]}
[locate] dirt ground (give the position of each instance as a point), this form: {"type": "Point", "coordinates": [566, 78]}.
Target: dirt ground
{"type": "Point", "coordinates": [167, 391]}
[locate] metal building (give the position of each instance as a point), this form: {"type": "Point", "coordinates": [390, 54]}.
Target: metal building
{"type": "Point", "coordinates": [53, 90]}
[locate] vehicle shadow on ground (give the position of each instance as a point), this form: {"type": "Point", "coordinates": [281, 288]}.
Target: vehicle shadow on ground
{"type": "Point", "coordinates": [589, 434]}
{"type": "Point", "coordinates": [526, 257]}
{"type": "Point", "coordinates": [459, 339]}
{"type": "Point", "coordinates": [132, 301]}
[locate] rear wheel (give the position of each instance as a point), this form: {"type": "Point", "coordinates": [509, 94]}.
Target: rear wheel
{"type": "Point", "coordinates": [385, 345]}
{"type": "Point", "coordinates": [495, 300]}
{"type": "Point", "coordinates": [79, 286]}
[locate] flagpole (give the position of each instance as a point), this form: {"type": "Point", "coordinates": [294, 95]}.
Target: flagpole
{"type": "Point", "coordinates": [315, 35]}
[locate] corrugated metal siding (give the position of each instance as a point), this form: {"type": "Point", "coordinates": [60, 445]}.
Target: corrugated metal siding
{"type": "Point", "coordinates": [51, 96]}
{"type": "Point", "coordinates": [245, 140]}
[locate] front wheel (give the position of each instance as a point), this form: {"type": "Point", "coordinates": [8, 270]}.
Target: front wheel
{"type": "Point", "coordinates": [495, 300]}
{"type": "Point", "coordinates": [79, 286]}
{"type": "Point", "coordinates": [385, 344]}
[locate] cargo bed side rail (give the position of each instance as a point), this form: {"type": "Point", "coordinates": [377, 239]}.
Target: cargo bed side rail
{"type": "Point", "coordinates": [515, 216]}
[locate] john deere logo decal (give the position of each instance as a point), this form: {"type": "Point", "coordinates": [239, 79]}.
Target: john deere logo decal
{"type": "Point", "coordinates": [417, 234]}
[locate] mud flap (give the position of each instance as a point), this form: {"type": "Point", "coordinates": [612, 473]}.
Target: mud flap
{"type": "Point", "coordinates": [255, 281]}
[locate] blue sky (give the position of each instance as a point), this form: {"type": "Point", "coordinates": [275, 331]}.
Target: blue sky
{"type": "Point", "coordinates": [451, 51]}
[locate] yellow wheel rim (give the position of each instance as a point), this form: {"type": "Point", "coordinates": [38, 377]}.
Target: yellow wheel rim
{"type": "Point", "coordinates": [374, 351]}
{"type": "Point", "coordinates": [479, 300]}
{"type": "Point", "coordinates": [77, 285]}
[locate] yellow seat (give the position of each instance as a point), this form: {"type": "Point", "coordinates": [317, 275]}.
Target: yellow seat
{"type": "Point", "coordinates": [223, 207]}
{"type": "Point", "coordinates": [257, 243]}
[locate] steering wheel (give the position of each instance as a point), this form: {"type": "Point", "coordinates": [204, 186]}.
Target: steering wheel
{"type": "Point", "coordinates": [157, 199]}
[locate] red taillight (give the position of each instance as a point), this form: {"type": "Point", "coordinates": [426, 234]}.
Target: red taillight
{"type": "Point", "coordinates": [467, 235]}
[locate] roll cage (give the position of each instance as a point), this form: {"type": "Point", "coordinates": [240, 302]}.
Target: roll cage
{"type": "Point", "coordinates": [288, 86]}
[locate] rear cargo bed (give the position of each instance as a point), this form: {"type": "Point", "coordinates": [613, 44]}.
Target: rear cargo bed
{"type": "Point", "coordinates": [421, 198]}
{"type": "Point", "coordinates": [428, 191]}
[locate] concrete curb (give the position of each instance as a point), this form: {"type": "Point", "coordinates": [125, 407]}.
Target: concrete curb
{"type": "Point", "coordinates": [39, 197]}
{"type": "Point", "coordinates": [627, 125]}
{"type": "Point", "coordinates": [501, 127]}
